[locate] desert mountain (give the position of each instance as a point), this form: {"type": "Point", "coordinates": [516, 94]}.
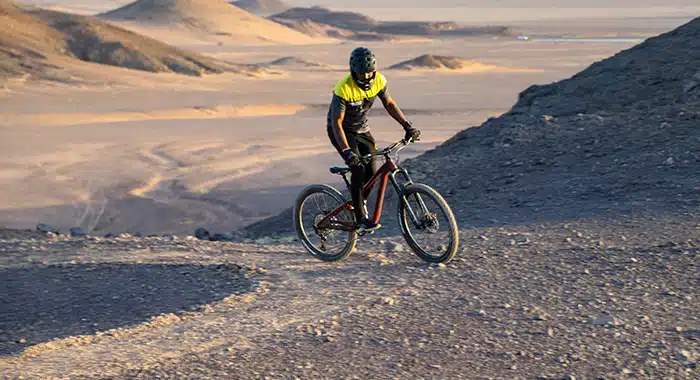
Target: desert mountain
{"type": "Point", "coordinates": [621, 136]}
{"type": "Point", "coordinates": [262, 7]}
{"type": "Point", "coordinates": [360, 23]}
{"type": "Point", "coordinates": [169, 20]}
{"type": "Point", "coordinates": [38, 42]}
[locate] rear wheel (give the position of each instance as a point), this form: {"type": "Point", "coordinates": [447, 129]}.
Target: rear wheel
{"type": "Point", "coordinates": [326, 243]}
{"type": "Point", "coordinates": [427, 224]}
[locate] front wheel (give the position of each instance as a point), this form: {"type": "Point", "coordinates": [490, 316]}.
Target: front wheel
{"type": "Point", "coordinates": [427, 224]}
{"type": "Point", "coordinates": [320, 234]}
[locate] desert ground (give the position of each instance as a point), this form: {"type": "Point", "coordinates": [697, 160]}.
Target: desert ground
{"type": "Point", "coordinates": [578, 214]}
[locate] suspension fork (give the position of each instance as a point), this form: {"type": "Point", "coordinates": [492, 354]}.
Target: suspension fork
{"type": "Point", "coordinates": [399, 191]}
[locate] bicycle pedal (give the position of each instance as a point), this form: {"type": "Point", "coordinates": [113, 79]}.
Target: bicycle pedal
{"type": "Point", "coordinates": [368, 231]}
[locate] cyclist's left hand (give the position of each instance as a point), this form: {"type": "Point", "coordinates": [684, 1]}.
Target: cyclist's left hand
{"type": "Point", "coordinates": [412, 134]}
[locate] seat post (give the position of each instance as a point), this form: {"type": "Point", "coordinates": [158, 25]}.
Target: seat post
{"type": "Point", "coordinates": [347, 183]}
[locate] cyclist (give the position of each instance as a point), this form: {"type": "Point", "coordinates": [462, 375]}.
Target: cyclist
{"type": "Point", "coordinates": [348, 129]}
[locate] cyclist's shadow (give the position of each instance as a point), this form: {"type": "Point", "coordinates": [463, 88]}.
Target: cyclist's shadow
{"type": "Point", "coordinates": [42, 303]}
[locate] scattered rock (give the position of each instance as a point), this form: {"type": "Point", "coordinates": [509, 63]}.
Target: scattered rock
{"type": "Point", "coordinates": [607, 320]}
{"type": "Point", "coordinates": [43, 227]}
{"type": "Point", "coordinates": [388, 300]}
{"type": "Point", "coordinates": [394, 247]}
{"type": "Point", "coordinates": [686, 356]}
{"type": "Point", "coordinates": [77, 232]}
{"type": "Point", "coordinates": [220, 237]}
{"type": "Point", "coordinates": [202, 234]}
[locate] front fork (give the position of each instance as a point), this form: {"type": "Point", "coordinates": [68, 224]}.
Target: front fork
{"type": "Point", "coordinates": [400, 187]}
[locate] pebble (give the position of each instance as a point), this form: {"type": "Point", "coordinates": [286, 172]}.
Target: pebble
{"type": "Point", "coordinates": [607, 320]}
{"type": "Point", "coordinates": [77, 232]}
{"type": "Point", "coordinates": [394, 247]}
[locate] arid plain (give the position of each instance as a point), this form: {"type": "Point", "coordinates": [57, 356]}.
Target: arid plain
{"type": "Point", "coordinates": [118, 150]}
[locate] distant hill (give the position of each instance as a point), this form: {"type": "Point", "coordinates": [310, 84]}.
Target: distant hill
{"type": "Point", "coordinates": [360, 23]}
{"type": "Point", "coordinates": [345, 20]}
{"type": "Point", "coordinates": [449, 64]}
{"type": "Point", "coordinates": [202, 19]}
{"type": "Point", "coordinates": [36, 42]}
{"type": "Point", "coordinates": [431, 62]}
{"type": "Point", "coordinates": [295, 62]}
{"type": "Point", "coordinates": [262, 7]}
{"type": "Point", "coordinates": [622, 136]}
{"type": "Point", "coordinates": [316, 29]}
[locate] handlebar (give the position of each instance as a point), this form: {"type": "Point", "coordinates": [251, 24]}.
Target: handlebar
{"type": "Point", "coordinates": [391, 149]}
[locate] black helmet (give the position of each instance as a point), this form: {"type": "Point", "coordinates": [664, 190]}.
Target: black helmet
{"type": "Point", "coordinates": [362, 61]}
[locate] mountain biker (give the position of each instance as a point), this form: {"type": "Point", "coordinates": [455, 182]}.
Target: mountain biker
{"type": "Point", "coordinates": [348, 129]}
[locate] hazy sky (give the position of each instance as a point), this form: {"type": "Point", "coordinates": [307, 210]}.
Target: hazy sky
{"type": "Point", "coordinates": [469, 11]}
{"type": "Point", "coordinates": [501, 3]}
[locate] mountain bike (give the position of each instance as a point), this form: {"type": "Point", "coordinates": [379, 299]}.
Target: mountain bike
{"type": "Point", "coordinates": [325, 221]}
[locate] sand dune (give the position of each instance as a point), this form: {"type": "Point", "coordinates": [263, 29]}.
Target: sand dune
{"type": "Point", "coordinates": [37, 42]}
{"type": "Point", "coordinates": [262, 7]}
{"type": "Point", "coordinates": [188, 113]}
{"type": "Point", "coordinates": [447, 64]}
{"type": "Point", "coordinates": [170, 20]}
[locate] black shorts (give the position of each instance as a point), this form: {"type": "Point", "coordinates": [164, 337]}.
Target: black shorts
{"type": "Point", "coordinates": [360, 143]}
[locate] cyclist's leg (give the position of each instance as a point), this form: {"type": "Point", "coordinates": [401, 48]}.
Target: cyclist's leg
{"type": "Point", "coordinates": [365, 145]}
{"type": "Point", "coordinates": [357, 179]}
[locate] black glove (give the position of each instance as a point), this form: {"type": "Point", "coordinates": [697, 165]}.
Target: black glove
{"type": "Point", "coordinates": [412, 134]}
{"type": "Point", "coordinates": [351, 159]}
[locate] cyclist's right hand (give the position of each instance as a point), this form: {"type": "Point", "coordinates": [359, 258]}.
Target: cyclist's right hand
{"type": "Point", "coordinates": [351, 159]}
{"type": "Point", "coordinates": [412, 135]}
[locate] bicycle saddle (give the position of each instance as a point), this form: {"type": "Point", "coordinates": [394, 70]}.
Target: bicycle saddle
{"type": "Point", "coordinates": [339, 170]}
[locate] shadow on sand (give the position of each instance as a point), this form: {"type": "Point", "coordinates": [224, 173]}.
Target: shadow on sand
{"type": "Point", "coordinates": [41, 303]}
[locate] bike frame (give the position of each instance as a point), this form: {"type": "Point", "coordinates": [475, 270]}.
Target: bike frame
{"type": "Point", "coordinates": [387, 172]}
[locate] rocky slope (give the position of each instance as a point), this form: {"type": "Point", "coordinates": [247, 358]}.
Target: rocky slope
{"type": "Point", "coordinates": [38, 42]}
{"type": "Point", "coordinates": [622, 136]}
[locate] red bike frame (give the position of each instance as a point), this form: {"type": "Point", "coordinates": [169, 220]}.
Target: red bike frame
{"type": "Point", "coordinates": [382, 177]}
